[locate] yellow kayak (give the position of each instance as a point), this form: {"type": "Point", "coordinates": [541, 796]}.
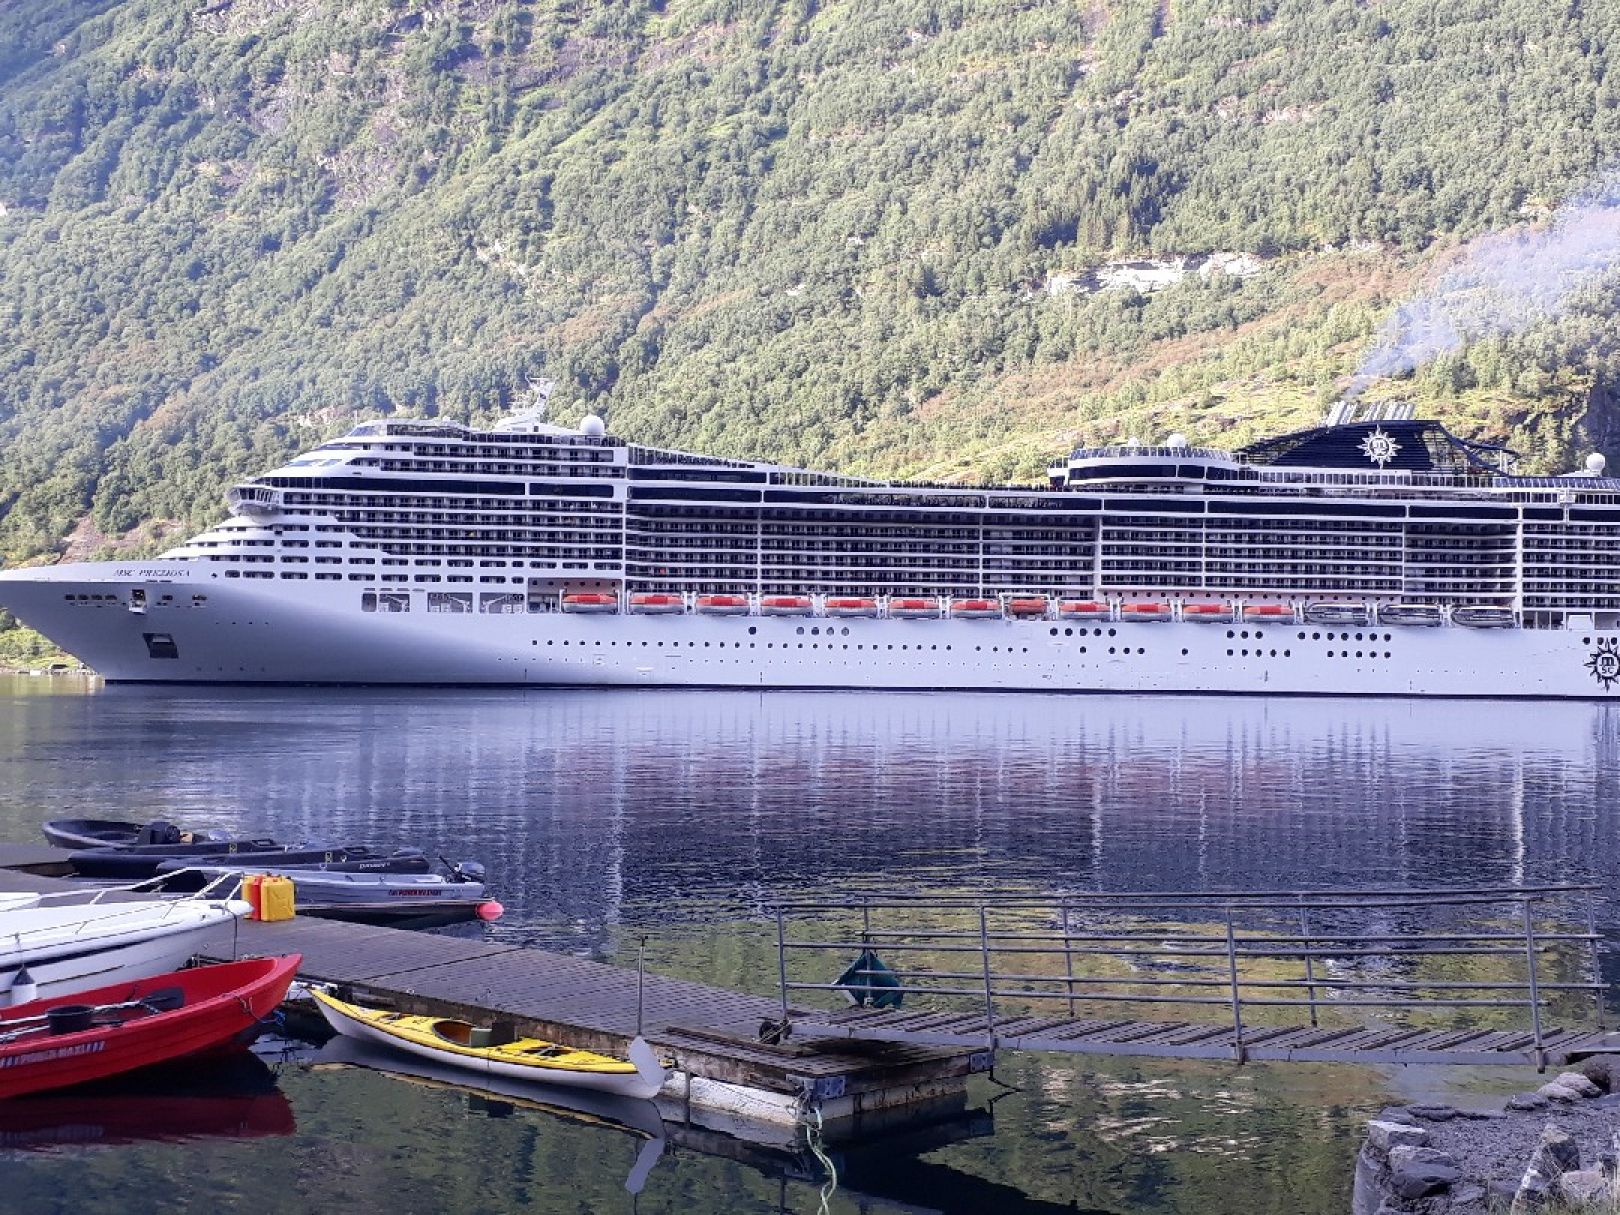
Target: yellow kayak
{"type": "Point", "coordinates": [467, 1046]}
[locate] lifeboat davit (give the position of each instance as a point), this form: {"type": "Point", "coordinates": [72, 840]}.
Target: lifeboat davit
{"type": "Point", "coordinates": [591, 602]}
{"type": "Point", "coordinates": [975, 609]}
{"type": "Point", "coordinates": [851, 607]}
{"type": "Point", "coordinates": [785, 605]}
{"type": "Point", "coordinates": [723, 605]}
{"type": "Point", "coordinates": [656, 603]}
{"type": "Point", "coordinates": [914, 609]}
{"type": "Point", "coordinates": [1027, 609]}
{"type": "Point", "coordinates": [1267, 613]}
{"type": "Point", "coordinates": [1483, 616]}
{"type": "Point", "coordinates": [1083, 609]}
{"type": "Point", "coordinates": [1207, 613]}
{"type": "Point", "coordinates": [1144, 611]}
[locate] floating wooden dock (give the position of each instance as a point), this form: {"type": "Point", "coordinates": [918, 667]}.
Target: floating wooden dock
{"type": "Point", "coordinates": [711, 1033]}
{"type": "Point", "coordinates": [862, 1061]}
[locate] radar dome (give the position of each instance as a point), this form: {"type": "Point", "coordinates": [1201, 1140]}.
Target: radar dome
{"type": "Point", "coordinates": [1595, 464]}
{"type": "Point", "coordinates": [1176, 440]}
{"type": "Point", "coordinates": [591, 424]}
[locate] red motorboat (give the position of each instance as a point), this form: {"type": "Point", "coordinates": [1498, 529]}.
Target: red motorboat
{"type": "Point", "coordinates": [65, 1040]}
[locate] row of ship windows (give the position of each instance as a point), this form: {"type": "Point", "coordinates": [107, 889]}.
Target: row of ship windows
{"type": "Point", "coordinates": [476, 450]}
{"type": "Point", "coordinates": [608, 516]}
{"type": "Point", "coordinates": [790, 645]}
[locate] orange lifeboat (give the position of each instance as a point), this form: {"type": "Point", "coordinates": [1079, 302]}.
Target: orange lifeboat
{"type": "Point", "coordinates": [975, 609]}
{"type": "Point", "coordinates": [914, 609]}
{"type": "Point", "coordinates": [1144, 611]}
{"type": "Point", "coordinates": [656, 603]}
{"type": "Point", "coordinates": [851, 607]}
{"type": "Point", "coordinates": [1207, 613]}
{"type": "Point", "coordinates": [1027, 609]}
{"type": "Point", "coordinates": [591, 602]}
{"type": "Point", "coordinates": [1083, 609]}
{"type": "Point", "coordinates": [1272, 613]}
{"type": "Point", "coordinates": [723, 605]}
{"type": "Point", "coordinates": [785, 605]}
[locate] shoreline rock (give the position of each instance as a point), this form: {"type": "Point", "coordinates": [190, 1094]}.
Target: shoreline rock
{"type": "Point", "coordinates": [1557, 1146]}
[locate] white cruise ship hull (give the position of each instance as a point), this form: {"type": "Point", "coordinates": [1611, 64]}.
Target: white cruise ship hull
{"type": "Point", "coordinates": [248, 632]}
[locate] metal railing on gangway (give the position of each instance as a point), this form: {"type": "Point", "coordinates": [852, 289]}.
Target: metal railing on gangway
{"type": "Point", "coordinates": [1466, 952]}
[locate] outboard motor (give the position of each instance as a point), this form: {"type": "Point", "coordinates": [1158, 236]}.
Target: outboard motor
{"type": "Point", "coordinates": [158, 832]}
{"type": "Point", "coordinates": [467, 871]}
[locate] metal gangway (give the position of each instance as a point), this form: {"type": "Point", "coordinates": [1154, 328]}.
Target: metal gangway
{"type": "Point", "coordinates": [1469, 975]}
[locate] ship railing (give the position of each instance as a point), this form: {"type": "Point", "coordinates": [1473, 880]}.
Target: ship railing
{"type": "Point", "coordinates": [139, 896]}
{"type": "Point", "coordinates": [1444, 956]}
{"type": "Point", "coordinates": [255, 500]}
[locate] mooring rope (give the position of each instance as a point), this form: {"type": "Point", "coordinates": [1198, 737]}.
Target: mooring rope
{"type": "Point", "coordinates": [812, 1137]}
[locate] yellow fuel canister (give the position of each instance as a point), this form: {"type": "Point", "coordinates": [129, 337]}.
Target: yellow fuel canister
{"type": "Point", "coordinates": [251, 885]}
{"type": "Point", "coordinates": [276, 898]}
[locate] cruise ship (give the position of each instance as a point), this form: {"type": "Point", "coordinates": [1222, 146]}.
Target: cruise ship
{"type": "Point", "coordinates": [1377, 554]}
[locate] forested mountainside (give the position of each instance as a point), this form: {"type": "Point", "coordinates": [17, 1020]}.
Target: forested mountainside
{"type": "Point", "coordinates": [916, 238]}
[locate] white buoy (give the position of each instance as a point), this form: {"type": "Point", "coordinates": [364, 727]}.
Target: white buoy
{"type": "Point", "coordinates": [23, 989]}
{"type": "Point", "coordinates": [592, 426]}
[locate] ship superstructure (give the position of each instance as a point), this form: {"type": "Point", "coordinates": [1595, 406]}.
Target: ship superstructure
{"type": "Point", "coordinates": [1374, 554]}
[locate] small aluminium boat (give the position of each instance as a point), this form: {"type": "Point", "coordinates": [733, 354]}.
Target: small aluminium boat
{"type": "Point", "coordinates": [473, 1048]}
{"type": "Point", "coordinates": [66, 1040]}
{"type": "Point", "coordinates": [416, 900]}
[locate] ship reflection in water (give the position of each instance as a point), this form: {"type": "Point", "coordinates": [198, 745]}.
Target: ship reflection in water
{"type": "Point", "coordinates": [605, 815]}
{"type": "Point", "coordinates": [596, 807]}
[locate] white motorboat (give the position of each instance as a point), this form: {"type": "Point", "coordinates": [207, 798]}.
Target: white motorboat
{"type": "Point", "coordinates": [76, 940]}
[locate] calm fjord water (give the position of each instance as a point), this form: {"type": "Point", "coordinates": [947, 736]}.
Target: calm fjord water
{"type": "Point", "coordinates": [604, 816]}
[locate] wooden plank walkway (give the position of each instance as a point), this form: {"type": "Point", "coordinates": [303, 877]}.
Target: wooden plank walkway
{"type": "Point", "coordinates": [1207, 1040]}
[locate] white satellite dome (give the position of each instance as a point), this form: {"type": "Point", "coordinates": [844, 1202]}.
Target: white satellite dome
{"type": "Point", "coordinates": [1176, 440]}
{"type": "Point", "coordinates": [591, 424]}
{"type": "Point", "coordinates": [1595, 464]}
